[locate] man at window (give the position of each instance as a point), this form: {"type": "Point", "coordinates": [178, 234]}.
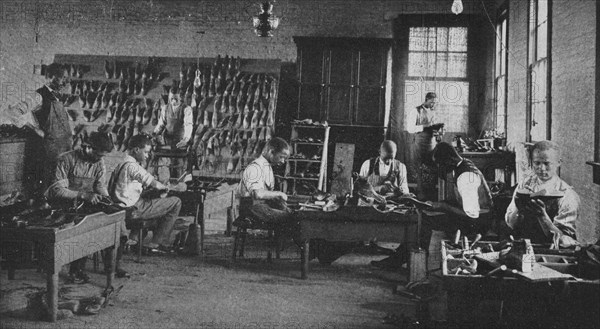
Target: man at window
{"type": "Point", "coordinates": [540, 220]}
{"type": "Point", "coordinates": [421, 123]}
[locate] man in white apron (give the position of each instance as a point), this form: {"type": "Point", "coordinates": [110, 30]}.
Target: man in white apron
{"type": "Point", "coordinates": [175, 123]}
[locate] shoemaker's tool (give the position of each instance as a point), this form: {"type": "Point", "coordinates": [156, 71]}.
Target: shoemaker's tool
{"type": "Point", "coordinates": [466, 243]}
{"type": "Point", "coordinates": [477, 238]}
{"type": "Point", "coordinates": [457, 237]}
{"type": "Point", "coordinates": [496, 270]}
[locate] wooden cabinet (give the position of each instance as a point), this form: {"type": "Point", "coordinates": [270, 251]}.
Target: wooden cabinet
{"type": "Point", "coordinates": [342, 80]}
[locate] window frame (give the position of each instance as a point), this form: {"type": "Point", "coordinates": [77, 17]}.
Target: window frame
{"type": "Point", "coordinates": [501, 21]}
{"type": "Point", "coordinates": [532, 61]}
{"type": "Point", "coordinates": [596, 156]}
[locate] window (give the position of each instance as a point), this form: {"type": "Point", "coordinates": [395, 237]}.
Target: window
{"type": "Point", "coordinates": [539, 71]}
{"type": "Point", "coordinates": [500, 73]}
{"type": "Point", "coordinates": [437, 61]}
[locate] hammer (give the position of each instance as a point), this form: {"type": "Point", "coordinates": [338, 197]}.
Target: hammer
{"type": "Point", "coordinates": [497, 269]}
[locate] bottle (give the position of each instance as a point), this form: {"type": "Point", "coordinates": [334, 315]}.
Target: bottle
{"type": "Point", "coordinates": [528, 258]}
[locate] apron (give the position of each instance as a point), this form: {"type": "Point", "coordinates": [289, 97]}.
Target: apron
{"type": "Point", "coordinates": [174, 130]}
{"type": "Point", "coordinates": [376, 179]}
{"type": "Point", "coordinates": [172, 134]}
{"type": "Point", "coordinates": [423, 142]}
{"type": "Point", "coordinates": [57, 132]}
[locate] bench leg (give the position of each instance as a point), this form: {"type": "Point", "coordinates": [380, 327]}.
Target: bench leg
{"type": "Point", "coordinates": [52, 295]}
{"type": "Point", "coordinates": [270, 244]}
{"type": "Point", "coordinates": [236, 242]}
{"type": "Point", "coordinates": [140, 245]}
{"type": "Point", "coordinates": [278, 245]}
{"type": "Point", "coordinates": [243, 244]}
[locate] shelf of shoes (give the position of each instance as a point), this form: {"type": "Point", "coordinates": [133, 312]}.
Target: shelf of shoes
{"type": "Point", "coordinates": [306, 169]}
{"type": "Point", "coordinates": [233, 101]}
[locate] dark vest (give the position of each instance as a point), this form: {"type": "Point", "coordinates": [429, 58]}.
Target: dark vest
{"type": "Point", "coordinates": [484, 193]}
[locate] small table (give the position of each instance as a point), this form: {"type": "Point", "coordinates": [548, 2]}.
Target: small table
{"type": "Point", "coordinates": [56, 247]}
{"type": "Point", "coordinates": [353, 223]}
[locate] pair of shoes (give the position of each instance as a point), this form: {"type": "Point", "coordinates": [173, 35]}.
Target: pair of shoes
{"type": "Point", "coordinates": [158, 250]}
{"type": "Point", "coordinates": [79, 277]}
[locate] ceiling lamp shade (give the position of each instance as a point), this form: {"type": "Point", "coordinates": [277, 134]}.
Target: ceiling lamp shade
{"type": "Point", "coordinates": [265, 22]}
{"type": "Point", "coordinates": [457, 7]}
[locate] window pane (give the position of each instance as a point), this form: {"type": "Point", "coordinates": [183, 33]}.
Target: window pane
{"type": "Point", "coordinates": [417, 38]}
{"type": "Point", "coordinates": [457, 39]}
{"type": "Point", "coordinates": [542, 41]}
{"type": "Point", "coordinates": [416, 64]}
{"type": "Point", "coordinates": [498, 58]}
{"type": "Point", "coordinates": [539, 78]}
{"type": "Point", "coordinates": [457, 65]}
{"type": "Point", "coordinates": [542, 11]}
{"type": "Point", "coordinates": [431, 37]}
{"type": "Point", "coordinates": [441, 69]}
{"type": "Point", "coordinates": [442, 39]}
{"type": "Point", "coordinates": [504, 46]}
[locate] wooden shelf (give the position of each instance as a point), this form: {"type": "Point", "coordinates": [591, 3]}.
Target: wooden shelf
{"type": "Point", "coordinates": [307, 143]}
{"type": "Point", "coordinates": [305, 160]}
{"type": "Point", "coordinates": [309, 126]}
{"type": "Point", "coordinates": [299, 178]}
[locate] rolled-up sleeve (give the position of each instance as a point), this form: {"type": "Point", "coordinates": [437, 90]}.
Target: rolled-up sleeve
{"type": "Point", "coordinates": [100, 182]}
{"type": "Point", "coordinates": [468, 185]}
{"type": "Point", "coordinates": [568, 209]}
{"type": "Point", "coordinates": [188, 123]}
{"type": "Point", "coordinates": [402, 180]}
{"type": "Point", "coordinates": [252, 178]}
{"type": "Point", "coordinates": [512, 213]}
{"type": "Point", "coordinates": [364, 169]}
{"type": "Point", "coordinates": [60, 187]}
{"type": "Point", "coordinates": [137, 172]}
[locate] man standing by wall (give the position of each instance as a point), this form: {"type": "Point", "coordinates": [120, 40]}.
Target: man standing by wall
{"type": "Point", "coordinates": [53, 120]}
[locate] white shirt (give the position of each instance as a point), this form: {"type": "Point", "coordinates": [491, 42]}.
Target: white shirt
{"type": "Point", "coordinates": [130, 183]}
{"type": "Point", "coordinates": [257, 176]}
{"type": "Point", "coordinates": [418, 119]}
{"type": "Point", "coordinates": [568, 205]}
{"type": "Point", "coordinates": [467, 185]}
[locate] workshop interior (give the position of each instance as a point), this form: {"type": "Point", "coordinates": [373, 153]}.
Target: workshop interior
{"type": "Point", "coordinates": [300, 164]}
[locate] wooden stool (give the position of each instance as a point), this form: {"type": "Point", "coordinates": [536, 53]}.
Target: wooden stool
{"type": "Point", "coordinates": [243, 224]}
{"type": "Point", "coordinates": [141, 226]}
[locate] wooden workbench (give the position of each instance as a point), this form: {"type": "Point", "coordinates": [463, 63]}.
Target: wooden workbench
{"type": "Point", "coordinates": [57, 247]}
{"type": "Point", "coordinates": [353, 223]}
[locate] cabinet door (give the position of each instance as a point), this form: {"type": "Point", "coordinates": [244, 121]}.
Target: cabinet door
{"type": "Point", "coordinates": [339, 85]}
{"type": "Point", "coordinates": [371, 67]}
{"type": "Point", "coordinates": [339, 105]}
{"type": "Point", "coordinates": [310, 102]}
{"type": "Point", "coordinates": [340, 66]}
{"type": "Point", "coordinates": [311, 65]}
{"type": "Point", "coordinates": [369, 106]}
